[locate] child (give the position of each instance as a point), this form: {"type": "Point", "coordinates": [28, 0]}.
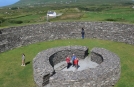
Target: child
{"type": "Point", "coordinates": [73, 58]}
{"type": "Point", "coordinates": [68, 61]}
{"type": "Point", "coordinates": [76, 63]}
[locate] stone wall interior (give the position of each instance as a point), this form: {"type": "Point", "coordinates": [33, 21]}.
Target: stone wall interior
{"type": "Point", "coordinates": [20, 36]}
{"type": "Point", "coordinates": [104, 75]}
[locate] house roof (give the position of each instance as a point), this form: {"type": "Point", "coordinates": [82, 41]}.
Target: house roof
{"type": "Point", "coordinates": [50, 12]}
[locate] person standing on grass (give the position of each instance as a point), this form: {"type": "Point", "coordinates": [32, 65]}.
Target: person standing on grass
{"type": "Point", "coordinates": [68, 61]}
{"type": "Point", "coordinates": [23, 60]}
{"type": "Point", "coordinates": [82, 33]}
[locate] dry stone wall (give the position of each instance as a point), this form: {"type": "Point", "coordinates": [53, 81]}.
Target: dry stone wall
{"type": "Point", "coordinates": [43, 63]}
{"type": "Point", "coordinates": [19, 36]}
{"type": "Point", "coordinates": [104, 75]}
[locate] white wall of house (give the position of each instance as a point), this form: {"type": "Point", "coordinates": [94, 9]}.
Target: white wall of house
{"type": "Point", "coordinates": [52, 15]}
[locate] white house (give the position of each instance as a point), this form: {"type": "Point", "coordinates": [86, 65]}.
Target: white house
{"type": "Point", "coordinates": [51, 14]}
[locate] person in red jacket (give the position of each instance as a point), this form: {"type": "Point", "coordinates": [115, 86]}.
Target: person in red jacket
{"type": "Point", "coordinates": [76, 63]}
{"type": "Point", "coordinates": [68, 61]}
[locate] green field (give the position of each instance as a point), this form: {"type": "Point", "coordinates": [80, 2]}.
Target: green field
{"type": "Point", "coordinates": [90, 12]}
{"type": "Point", "coordinates": [12, 74]}
{"type": "Point", "coordinates": [38, 2]}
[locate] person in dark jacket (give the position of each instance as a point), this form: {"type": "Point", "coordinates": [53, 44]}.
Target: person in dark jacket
{"type": "Point", "coordinates": [82, 33]}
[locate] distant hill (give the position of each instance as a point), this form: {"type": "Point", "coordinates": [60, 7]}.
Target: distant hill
{"type": "Point", "coordinates": [46, 2]}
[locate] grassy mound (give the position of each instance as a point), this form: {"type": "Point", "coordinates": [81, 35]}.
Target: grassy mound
{"type": "Point", "coordinates": [12, 74]}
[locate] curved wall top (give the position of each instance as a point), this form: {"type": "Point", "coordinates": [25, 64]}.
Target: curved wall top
{"type": "Point", "coordinates": [18, 36]}
{"type": "Point", "coordinates": [106, 74]}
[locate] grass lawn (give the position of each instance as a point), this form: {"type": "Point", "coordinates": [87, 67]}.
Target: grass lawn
{"type": "Point", "coordinates": [12, 74]}
{"type": "Point", "coordinates": [116, 14]}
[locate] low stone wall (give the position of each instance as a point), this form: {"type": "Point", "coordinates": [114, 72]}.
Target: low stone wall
{"type": "Point", "coordinates": [104, 75]}
{"type": "Point", "coordinates": [43, 63]}
{"type": "Point", "coordinates": [20, 36]}
{"type": "Point", "coordinates": [95, 57]}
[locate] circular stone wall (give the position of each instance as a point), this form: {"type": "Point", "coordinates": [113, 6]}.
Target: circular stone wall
{"type": "Point", "coordinates": [106, 74]}
{"type": "Point", "coordinates": [19, 36]}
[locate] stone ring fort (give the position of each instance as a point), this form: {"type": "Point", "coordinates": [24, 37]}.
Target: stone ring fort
{"type": "Point", "coordinates": [20, 36]}
{"type": "Point", "coordinates": [106, 74]}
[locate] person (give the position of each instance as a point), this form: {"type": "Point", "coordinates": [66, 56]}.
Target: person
{"type": "Point", "coordinates": [76, 63]}
{"type": "Point", "coordinates": [68, 61]}
{"type": "Point", "coordinates": [82, 33]}
{"type": "Point", "coordinates": [73, 58]}
{"type": "Point", "coordinates": [23, 60]}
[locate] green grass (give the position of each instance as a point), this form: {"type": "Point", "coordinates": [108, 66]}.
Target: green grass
{"type": "Point", "coordinates": [87, 12]}
{"type": "Point", "coordinates": [30, 17]}
{"type": "Point", "coordinates": [33, 2]}
{"type": "Point", "coordinates": [117, 14]}
{"type": "Point", "coordinates": [12, 74]}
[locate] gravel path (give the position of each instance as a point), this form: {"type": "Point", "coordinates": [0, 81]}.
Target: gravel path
{"type": "Point", "coordinates": [83, 64]}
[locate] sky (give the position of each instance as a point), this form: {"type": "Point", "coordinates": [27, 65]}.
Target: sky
{"type": "Point", "coordinates": [7, 2]}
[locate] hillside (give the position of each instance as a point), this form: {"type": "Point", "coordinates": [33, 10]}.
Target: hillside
{"type": "Point", "coordinates": [46, 2]}
{"type": "Point", "coordinates": [34, 11]}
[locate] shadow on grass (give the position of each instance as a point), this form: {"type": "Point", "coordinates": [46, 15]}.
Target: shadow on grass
{"type": "Point", "coordinates": [27, 63]}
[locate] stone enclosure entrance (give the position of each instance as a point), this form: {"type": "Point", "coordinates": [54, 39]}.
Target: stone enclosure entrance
{"type": "Point", "coordinates": [105, 74]}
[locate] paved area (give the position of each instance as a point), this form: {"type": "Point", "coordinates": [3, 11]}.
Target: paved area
{"type": "Point", "coordinates": [83, 64]}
